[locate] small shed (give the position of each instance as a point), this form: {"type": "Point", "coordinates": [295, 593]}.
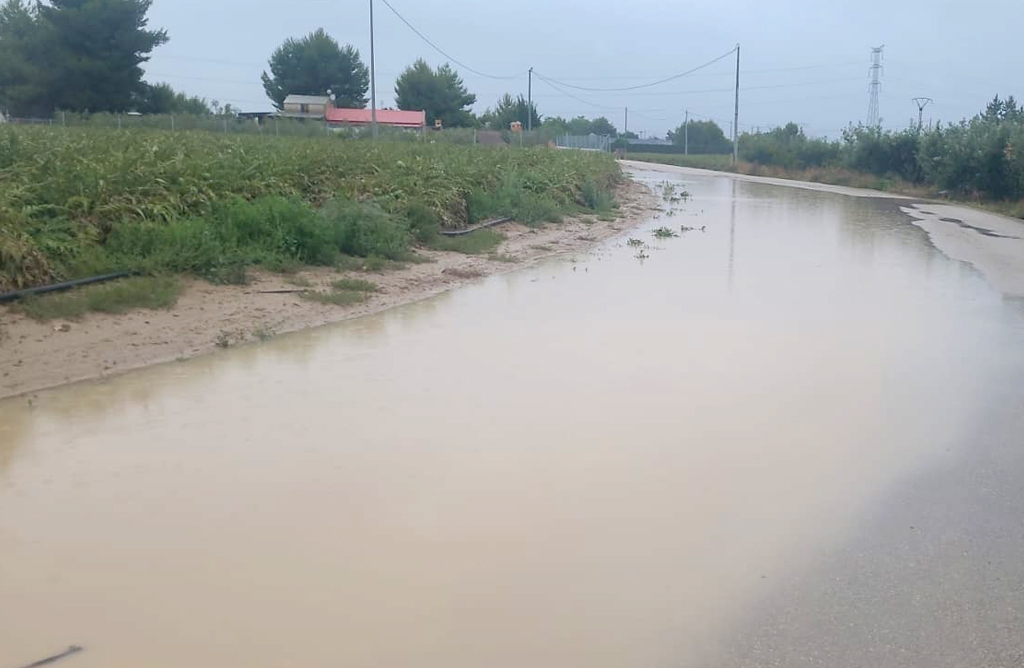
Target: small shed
{"type": "Point", "coordinates": [409, 120]}
{"type": "Point", "coordinates": [306, 106]}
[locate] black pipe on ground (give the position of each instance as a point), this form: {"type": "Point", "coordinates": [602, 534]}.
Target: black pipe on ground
{"type": "Point", "coordinates": [74, 649]}
{"type": "Point", "coordinates": [57, 287]}
{"type": "Point", "coordinates": [489, 223]}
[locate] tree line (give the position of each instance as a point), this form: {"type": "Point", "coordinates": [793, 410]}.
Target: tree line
{"type": "Point", "coordinates": [86, 56]}
{"type": "Point", "coordinates": [981, 157]}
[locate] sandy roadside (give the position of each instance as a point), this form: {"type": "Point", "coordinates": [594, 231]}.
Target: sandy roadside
{"type": "Point", "coordinates": [37, 355]}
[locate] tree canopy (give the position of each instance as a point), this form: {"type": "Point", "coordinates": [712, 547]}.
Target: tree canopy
{"type": "Point", "coordinates": [508, 110]}
{"type": "Point", "coordinates": [163, 99]}
{"type": "Point", "coordinates": [441, 93]}
{"type": "Point", "coordinates": [79, 55]}
{"type": "Point", "coordinates": [702, 137]}
{"type": "Point", "coordinates": [602, 126]}
{"type": "Point", "coordinates": [314, 64]}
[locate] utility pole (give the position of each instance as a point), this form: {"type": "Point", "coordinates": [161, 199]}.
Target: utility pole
{"type": "Point", "coordinates": [373, 81]}
{"type": "Point", "coordinates": [875, 86]}
{"type": "Point", "coordinates": [625, 121]}
{"type": "Point", "coordinates": [686, 134]}
{"type": "Point", "coordinates": [529, 101]}
{"type": "Point", "coordinates": [921, 103]}
{"type": "Point", "coordinates": [736, 113]}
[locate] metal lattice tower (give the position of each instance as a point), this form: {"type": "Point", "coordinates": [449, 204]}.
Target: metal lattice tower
{"type": "Point", "coordinates": [875, 86]}
{"type": "Point", "coordinates": [921, 103]}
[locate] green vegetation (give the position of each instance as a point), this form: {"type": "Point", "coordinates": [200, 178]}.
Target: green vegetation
{"type": "Point", "coordinates": [440, 92]}
{"type": "Point", "coordinates": [717, 162]}
{"type": "Point", "coordinates": [702, 137]}
{"type": "Point", "coordinates": [82, 201]}
{"type": "Point", "coordinates": [508, 110]}
{"type": "Point", "coordinates": [975, 159]}
{"type": "Point", "coordinates": [344, 292]}
{"type": "Point", "coordinates": [314, 64]}
{"type": "Point", "coordinates": [152, 292]}
{"type": "Point", "coordinates": [355, 285]}
{"type": "Point", "coordinates": [474, 243]}
{"type": "Point", "coordinates": [74, 55]}
{"type": "Point", "coordinates": [664, 233]}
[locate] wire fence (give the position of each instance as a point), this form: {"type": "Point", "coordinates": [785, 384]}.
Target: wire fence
{"type": "Point", "coordinates": [585, 142]}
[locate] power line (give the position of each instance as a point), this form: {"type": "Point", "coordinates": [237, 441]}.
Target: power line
{"type": "Point", "coordinates": [568, 94]}
{"type": "Point", "coordinates": [745, 72]}
{"type": "Point", "coordinates": [730, 90]}
{"type": "Point", "coordinates": [647, 85]}
{"type": "Point", "coordinates": [442, 52]}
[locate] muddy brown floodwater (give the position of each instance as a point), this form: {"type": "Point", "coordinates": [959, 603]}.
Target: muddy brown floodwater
{"type": "Point", "coordinates": [598, 461]}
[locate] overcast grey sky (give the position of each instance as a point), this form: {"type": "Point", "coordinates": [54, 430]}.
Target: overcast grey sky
{"type": "Point", "coordinates": [802, 60]}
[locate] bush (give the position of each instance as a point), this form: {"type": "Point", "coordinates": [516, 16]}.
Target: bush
{"type": "Point", "coordinates": [788, 147]}
{"type": "Point", "coordinates": [271, 231]}
{"type": "Point", "coordinates": [422, 222]}
{"type": "Point", "coordinates": [361, 229]}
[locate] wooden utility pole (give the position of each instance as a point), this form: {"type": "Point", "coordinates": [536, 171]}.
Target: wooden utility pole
{"type": "Point", "coordinates": [373, 81]}
{"type": "Point", "coordinates": [686, 134]}
{"type": "Point", "coordinates": [529, 101]}
{"type": "Point", "coordinates": [736, 113]}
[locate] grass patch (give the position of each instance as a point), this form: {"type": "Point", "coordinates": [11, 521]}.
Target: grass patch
{"type": "Point", "coordinates": [149, 292]}
{"type": "Point", "coordinates": [474, 243]}
{"type": "Point", "coordinates": [355, 285]}
{"type": "Point", "coordinates": [664, 233]}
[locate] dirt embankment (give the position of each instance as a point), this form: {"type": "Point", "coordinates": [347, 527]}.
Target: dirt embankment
{"type": "Point", "coordinates": [36, 355]}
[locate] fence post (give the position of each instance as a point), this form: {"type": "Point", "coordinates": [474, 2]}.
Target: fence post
{"type": "Point", "coordinates": [63, 118]}
{"type": "Point", "coordinates": [225, 126]}
{"type": "Point", "coordinates": [119, 121]}
{"type": "Point", "coordinates": [172, 122]}
{"type": "Point", "coordinates": [277, 129]}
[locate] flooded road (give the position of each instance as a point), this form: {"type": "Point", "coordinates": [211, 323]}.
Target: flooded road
{"type": "Point", "coordinates": [599, 461]}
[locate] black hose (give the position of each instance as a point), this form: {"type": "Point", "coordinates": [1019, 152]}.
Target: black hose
{"type": "Point", "coordinates": [56, 287]}
{"type": "Point", "coordinates": [74, 649]}
{"type": "Point", "coordinates": [489, 223]}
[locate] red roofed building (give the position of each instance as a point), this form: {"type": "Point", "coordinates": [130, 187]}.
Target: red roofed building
{"type": "Point", "coordinates": [411, 120]}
